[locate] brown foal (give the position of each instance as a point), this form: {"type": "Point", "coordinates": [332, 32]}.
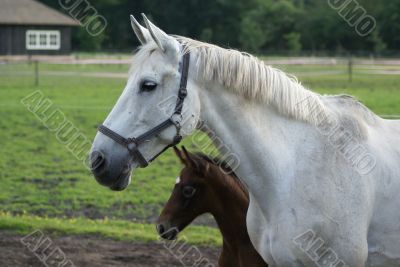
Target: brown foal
{"type": "Point", "coordinates": [209, 186]}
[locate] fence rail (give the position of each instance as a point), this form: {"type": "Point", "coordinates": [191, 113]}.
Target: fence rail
{"type": "Point", "coordinates": [116, 68]}
{"type": "Point", "coordinates": [127, 60]}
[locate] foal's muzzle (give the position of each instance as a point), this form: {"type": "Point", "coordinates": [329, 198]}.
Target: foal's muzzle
{"type": "Point", "coordinates": [167, 233]}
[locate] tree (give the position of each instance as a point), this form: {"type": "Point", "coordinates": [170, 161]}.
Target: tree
{"type": "Point", "coordinates": [253, 25]}
{"type": "Point", "coordinates": [390, 26]}
{"type": "Point", "coordinates": [86, 42]}
{"type": "Point", "coordinates": [252, 36]}
{"type": "Point", "coordinates": [293, 42]}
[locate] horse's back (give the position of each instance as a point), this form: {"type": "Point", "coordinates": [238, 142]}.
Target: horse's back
{"type": "Point", "coordinates": [384, 232]}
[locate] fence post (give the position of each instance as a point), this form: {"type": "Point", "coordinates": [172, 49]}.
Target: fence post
{"type": "Point", "coordinates": [36, 73]}
{"type": "Point", "coordinates": [120, 63]}
{"type": "Point", "coordinates": [350, 69]}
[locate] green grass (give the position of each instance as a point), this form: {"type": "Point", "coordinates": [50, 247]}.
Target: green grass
{"type": "Point", "coordinates": [39, 177]}
{"type": "Point", "coordinates": [24, 69]}
{"type": "Point", "coordinates": [381, 93]}
{"type": "Point", "coordinates": [113, 229]}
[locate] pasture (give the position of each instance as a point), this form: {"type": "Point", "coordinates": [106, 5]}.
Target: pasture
{"type": "Point", "coordinates": [43, 186]}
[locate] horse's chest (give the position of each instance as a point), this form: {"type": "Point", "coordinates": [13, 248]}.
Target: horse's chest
{"type": "Point", "coordinates": [274, 239]}
{"type": "Point", "coordinates": [258, 233]}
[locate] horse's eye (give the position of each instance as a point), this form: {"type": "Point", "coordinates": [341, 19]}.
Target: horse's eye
{"type": "Point", "coordinates": [188, 191]}
{"type": "Point", "coordinates": [148, 86]}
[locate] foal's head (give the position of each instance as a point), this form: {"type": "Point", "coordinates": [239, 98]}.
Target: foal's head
{"type": "Point", "coordinates": [196, 192]}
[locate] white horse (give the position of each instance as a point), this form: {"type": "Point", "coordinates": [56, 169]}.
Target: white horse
{"type": "Point", "coordinates": [323, 172]}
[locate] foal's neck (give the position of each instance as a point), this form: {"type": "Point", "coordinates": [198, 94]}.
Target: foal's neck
{"type": "Point", "coordinates": [230, 212]}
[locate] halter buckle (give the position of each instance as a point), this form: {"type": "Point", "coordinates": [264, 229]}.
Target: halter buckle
{"type": "Point", "coordinates": [176, 119]}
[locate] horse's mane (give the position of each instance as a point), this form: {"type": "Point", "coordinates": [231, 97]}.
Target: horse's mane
{"type": "Point", "coordinates": [250, 77]}
{"type": "Point", "coordinates": [233, 179]}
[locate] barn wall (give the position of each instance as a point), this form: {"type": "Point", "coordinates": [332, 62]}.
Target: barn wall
{"type": "Point", "coordinates": [5, 40]}
{"type": "Point", "coordinates": [12, 40]}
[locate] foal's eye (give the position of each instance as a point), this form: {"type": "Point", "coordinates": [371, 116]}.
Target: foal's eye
{"type": "Point", "coordinates": [188, 191]}
{"type": "Point", "coordinates": [147, 86]}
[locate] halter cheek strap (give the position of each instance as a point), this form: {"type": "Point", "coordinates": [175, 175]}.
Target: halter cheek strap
{"type": "Point", "coordinates": [133, 143]}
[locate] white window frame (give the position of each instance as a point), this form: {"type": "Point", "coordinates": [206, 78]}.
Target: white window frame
{"type": "Point", "coordinates": [48, 45]}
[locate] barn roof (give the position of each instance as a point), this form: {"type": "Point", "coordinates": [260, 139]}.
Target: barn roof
{"type": "Point", "coordinates": [31, 12]}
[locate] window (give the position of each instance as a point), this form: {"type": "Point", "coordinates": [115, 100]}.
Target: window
{"type": "Point", "coordinates": [31, 39]}
{"type": "Point", "coordinates": [54, 39]}
{"type": "Point", "coordinates": [42, 40]}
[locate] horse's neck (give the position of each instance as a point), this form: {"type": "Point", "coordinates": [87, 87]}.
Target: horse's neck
{"type": "Point", "coordinates": [264, 141]}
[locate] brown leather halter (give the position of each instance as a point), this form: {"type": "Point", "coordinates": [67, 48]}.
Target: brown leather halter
{"type": "Point", "coordinates": [132, 143]}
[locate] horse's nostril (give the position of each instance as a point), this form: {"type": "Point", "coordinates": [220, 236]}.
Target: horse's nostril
{"type": "Point", "coordinates": [160, 229]}
{"type": "Point", "coordinates": [97, 161]}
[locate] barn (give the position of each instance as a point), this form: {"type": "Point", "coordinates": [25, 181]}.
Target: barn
{"type": "Point", "coordinates": [28, 27]}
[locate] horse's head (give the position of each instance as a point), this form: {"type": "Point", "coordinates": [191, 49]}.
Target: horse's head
{"type": "Point", "coordinates": [149, 100]}
{"type": "Point", "coordinates": [191, 196]}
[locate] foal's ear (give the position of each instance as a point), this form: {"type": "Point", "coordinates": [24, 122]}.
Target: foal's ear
{"type": "Point", "coordinates": [165, 42]}
{"type": "Point", "coordinates": [196, 162]}
{"type": "Point", "coordinates": [188, 158]}
{"type": "Point", "coordinates": [141, 32]}
{"type": "Point", "coordinates": [180, 155]}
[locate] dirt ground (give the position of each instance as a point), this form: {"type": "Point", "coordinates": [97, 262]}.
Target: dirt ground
{"type": "Point", "coordinates": [96, 251]}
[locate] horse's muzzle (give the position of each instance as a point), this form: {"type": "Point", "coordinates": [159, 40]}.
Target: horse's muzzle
{"type": "Point", "coordinates": [116, 178]}
{"type": "Point", "coordinates": [97, 163]}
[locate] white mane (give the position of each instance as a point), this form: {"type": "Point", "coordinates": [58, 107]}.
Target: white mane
{"type": "Point", "coordinates": [251, 78]}
{"type": "Point", "coordinates": [248, 76]}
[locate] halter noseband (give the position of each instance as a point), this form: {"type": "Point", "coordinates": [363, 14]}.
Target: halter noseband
{"type": "Point", "coordinates": [132, 144]}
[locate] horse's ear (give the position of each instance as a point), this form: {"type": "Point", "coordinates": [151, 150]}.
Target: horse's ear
{"type": "Point", "coordinates": [163, 40]}
{"type": "Point", "coordinates": [180, 155]}
{"type": "Point", "coordinates": [141, 32]}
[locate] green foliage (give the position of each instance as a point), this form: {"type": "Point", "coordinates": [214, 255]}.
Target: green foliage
{"type": "Point", "coordinates": [252, 37]}
{"type": "Point", "coordinates": [85, 42]}
{"type": "Point", "coordinates": [389, 18]}
{"type": "Point", "coordinates": [293, 42]}
{"type": "Point", "coordinates": [377, 42]}
{"type": "Point", "coordinates": [270, 27]}
{"type": "Point", "coordinates": [254, 25]}
{"type": "Point", "coordinates": [206, 34]}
